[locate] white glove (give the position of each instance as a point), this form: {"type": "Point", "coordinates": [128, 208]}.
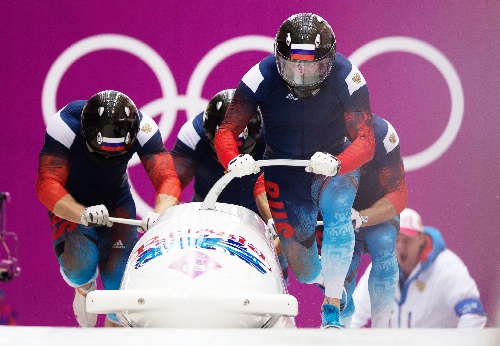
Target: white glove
{"type": "Point", "coordinates": [324, 163]}
{"type": "Point", "coordinates": [272, 228]}
{"type": "Point", "coordinates": [148, 221]}
{"type": "Point", "coordinates": [242, 165]}
{"type": "Point", "coordinates": [357, 220]}
{"type": "Point", "coordinates": [96, 215]}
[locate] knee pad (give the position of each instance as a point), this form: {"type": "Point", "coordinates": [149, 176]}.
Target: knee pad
{"type": "Point", "coordinates": [80, 279]}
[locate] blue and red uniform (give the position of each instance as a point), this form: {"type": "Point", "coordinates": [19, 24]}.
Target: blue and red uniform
{"type": "Point", "coordinates": [194, 157]}
{"type": "Point", "coordinates": [66, 168]}
{"type": "Point", "coordinates": [296, 128]}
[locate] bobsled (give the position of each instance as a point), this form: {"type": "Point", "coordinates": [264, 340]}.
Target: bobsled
{"type": "Point", "coordinates": [203, 265]}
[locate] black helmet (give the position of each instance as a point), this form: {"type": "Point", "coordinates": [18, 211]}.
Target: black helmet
{"type": "Point", "coordinates": [110, 123]}
{"type": "Point", "coordinates": [214, 114]}
{"type": "Point", "coordinates": [304, 50]}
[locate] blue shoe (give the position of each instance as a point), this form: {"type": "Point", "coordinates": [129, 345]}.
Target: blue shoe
{"type": "Point", "coordinates": [343, 300]}
{"type": "Point", "coordinates": [330, 317]}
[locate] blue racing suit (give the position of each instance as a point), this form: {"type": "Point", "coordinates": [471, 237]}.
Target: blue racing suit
{"type": "Point", "coordinates": [296, 128]}
{"type": "Point", "coordinates": [65, 167]}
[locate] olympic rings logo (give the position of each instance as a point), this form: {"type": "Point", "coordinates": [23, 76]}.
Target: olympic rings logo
{"type": "Point", "coordinates": [192, 102]}
{"type": "Point", "coordinates": [444, 66]}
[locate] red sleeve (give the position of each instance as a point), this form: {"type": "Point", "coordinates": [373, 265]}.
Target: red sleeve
{"type": "Point", "coordinates": [392, 180]}
{"type": "Point", "coordinates": [237, 116]}
{"type": "Point", "coordinates": [225, 146]}
{"type": "Point", "coordinates": [361, 150]}
{"type": "Point", "coordinates": [259, 186]}
{"type": "Point", "coordinates": [185, 165]}
{"type": "Point", "coordinates": [53, 172]}
{"type": "Point", "coordinates": [161, 172]}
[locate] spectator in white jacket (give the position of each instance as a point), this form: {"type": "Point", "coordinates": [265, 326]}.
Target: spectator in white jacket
{"type": "Point", "coordinates": [435, 288]}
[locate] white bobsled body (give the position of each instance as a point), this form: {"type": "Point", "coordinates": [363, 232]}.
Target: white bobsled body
{"type": "Point", "coordinates": [200, 268]}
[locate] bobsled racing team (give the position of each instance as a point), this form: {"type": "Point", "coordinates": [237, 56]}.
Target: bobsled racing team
{"type": "Point", "coordinates": [306, 101]}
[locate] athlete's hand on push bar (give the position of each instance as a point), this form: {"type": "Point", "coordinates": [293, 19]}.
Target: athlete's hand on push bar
{"type": "Point", "coordinates": [324, 163]}
{"type": "Point", "coordinates": [148, 221]}
{"type": "Point", "coordinates": [242, 165]}
{"type": "Point", "coordinates": [96, 215]}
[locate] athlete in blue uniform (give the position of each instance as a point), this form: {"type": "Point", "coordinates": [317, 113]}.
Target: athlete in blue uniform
{"type": "Point", "coordinates": [194, 153]}
{"type": "Point", "coordinates": [82, 180]}
{"type": "Point", "coordinates": [382, 195]}
{"type": "Point", "coordinates": [311, 98]}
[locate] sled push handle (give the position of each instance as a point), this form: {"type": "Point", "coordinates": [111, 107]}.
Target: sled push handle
{"type": "Point", "coordinates": [118, 301]}
{"type": "Point", "coordinates": [132, 222]}
{"type": "Point", "coordinates": [215, 191]}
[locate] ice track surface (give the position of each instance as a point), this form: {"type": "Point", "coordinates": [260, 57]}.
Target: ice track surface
{"type": "Point", "coordinates": [40, 336]}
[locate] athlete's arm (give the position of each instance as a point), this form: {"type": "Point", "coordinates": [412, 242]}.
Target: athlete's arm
{"type": "Point", "coordinates": [361, 150]}
{"type": "Point", "coordinates": [54, 163]}
{"type": "Point", "coordinates": [160, 169]}
{"type": "Point", "coordinates": [358, 120]}
{"type": "Point", "coordinates": [260, 196]}
{"type": "Point", "coordinates": [185, 163]}
{"type": "Point", "coordinates": [259, 193]}
{"type": "Point", "coordinates": [392, 180]}
{"type": "Point", "coordinates": [53, 172]}
{"type": "Point", "coordinates": [188, 150]}
{"type": "Point", "coordinates": [380, 211]}
{"type": "Point", "coordinates": [238, 115]}
{"type": "Point", "coordinates": [391, 175]}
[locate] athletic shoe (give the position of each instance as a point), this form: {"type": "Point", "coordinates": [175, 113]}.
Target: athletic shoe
{"type": "Point", "coordinates": [330, 317]}
{"type": "Point", "coordinates": [343, 300]}
{"type": "Point", "coordinates": [85, 319]}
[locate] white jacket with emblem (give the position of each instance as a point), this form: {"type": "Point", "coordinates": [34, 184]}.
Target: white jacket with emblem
{"type": "Point", "coordinates": [439, 293]}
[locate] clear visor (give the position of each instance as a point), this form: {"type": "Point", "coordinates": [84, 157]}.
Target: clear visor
{"type": "Point", "coordinates": [303, 73]}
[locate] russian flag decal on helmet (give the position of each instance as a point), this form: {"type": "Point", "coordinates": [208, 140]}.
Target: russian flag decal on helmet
{"type": "Point", "coordinates": [302, 51]}
{"type": "Point", "coordinates": [113, 144]}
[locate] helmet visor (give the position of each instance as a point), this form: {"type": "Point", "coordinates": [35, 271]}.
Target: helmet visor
{"type": "Point", "coordinates": [303, 73]}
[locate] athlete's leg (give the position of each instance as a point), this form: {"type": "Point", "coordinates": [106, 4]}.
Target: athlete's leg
{"type": "Point", "coordinates": [303, 259]}
{"type": "Point", "coordinates": [350, 283]}
{"type": "Point", "coordinates": [381, 240]}
{"type": "Point", "coordinates": [76, 249]}
{"type": "Point", "coordinates": [335, 196]}
{"type": "Point", "coordinates": [346, 303]}
{"type": "Point", "coordinates": [295, 214]}
{"type": "Point", "coordinates": [115, 246]}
